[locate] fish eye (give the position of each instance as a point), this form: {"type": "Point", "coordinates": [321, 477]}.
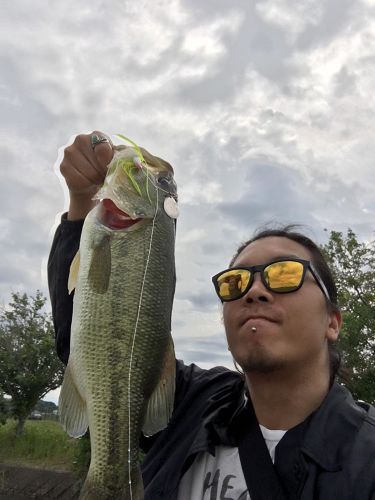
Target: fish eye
{"type": "Point", "coordinates": [164, 182]}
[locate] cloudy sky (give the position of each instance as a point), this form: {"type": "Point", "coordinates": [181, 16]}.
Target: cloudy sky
{"type": "Point", "coordinates": [264, 108]}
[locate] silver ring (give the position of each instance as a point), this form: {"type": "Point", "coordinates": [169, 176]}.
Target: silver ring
{"type": "Point", "coordinates": [97, 139]}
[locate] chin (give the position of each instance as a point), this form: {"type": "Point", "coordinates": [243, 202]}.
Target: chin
{"type": "Point", "coordinates": [262, 364]}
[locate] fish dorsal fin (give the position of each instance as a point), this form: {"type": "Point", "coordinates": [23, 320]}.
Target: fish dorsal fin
{"type": "Point", "coordinates": [73, 273]}
{"type": "Point", "coordinates": [72, 407]}
{"type": "Point", "coordinates": [100, 265]}
{"type": "Point", "coordinates": [160, 404]}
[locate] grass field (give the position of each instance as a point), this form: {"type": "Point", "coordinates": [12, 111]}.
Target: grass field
{"type": "Point", "coordinates": [42, 444]}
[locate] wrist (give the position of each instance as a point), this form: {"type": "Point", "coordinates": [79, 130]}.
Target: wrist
{"type": "Point", "coordinates": [80, 205]}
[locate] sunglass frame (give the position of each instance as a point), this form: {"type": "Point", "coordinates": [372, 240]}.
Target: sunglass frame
{"type": "Point", "coordinates": [307, 265]}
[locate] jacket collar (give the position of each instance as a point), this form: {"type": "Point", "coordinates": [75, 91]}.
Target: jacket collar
{"type": "Point", "coordinates": [332, 428]}
{"type": "Point", "coordinates": [324, 436]}
{"type": "Point", "coordinates": [222, 411]}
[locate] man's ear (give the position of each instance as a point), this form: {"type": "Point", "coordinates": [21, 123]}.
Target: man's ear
{"type": "Point", "coordinates": [334, 325]}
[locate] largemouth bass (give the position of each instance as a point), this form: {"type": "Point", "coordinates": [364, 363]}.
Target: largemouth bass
{"type": "Point", "coordinates": [120, 377]}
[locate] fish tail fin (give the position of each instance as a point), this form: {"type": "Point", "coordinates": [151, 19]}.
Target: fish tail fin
{"type": "Point", "coordinates": [72, 407]}
{"type": "Point", "coordinates": [160, 404]}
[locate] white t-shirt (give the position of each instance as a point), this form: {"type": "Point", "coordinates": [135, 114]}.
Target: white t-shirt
{"type": "Point", "coordinates": [221, 476]}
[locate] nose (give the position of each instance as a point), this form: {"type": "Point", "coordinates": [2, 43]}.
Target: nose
{"type": "Point", "coordinates": [258, 292]}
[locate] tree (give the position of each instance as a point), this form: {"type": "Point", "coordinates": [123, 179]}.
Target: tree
{"type": "Point", "coordinates": [47, 407]}
{"type": "Point", "coordinates": [353, 265]}
{"type": "Point", "coordinates": [29, 367]}
{"type": "Point", "coordinates": [3, 409]}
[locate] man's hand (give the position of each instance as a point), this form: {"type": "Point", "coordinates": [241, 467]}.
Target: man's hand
{"type": "Point", "coordinates": [84, 168]}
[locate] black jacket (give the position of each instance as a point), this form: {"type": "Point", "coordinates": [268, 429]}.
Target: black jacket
{"type": "Point", "coordinates": [331, 455]}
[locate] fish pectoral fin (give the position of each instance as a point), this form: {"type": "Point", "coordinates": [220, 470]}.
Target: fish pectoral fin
{"type": "Point", "coordinates": [72, 407]}
{"type": "Point", "coordinates": [160, 404]}
{"type": "Point", "coordinates": [73, 273]}
{"type": "Point", "coordinates": [100, 266]}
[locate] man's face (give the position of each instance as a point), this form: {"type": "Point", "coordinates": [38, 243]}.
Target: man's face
{"type": "Point", "coordinates": [292, 329]}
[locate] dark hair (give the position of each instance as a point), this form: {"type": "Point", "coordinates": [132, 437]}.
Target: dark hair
{"type": "Point", "coordinates": [290, 231]}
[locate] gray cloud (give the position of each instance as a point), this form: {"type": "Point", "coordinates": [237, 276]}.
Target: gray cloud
{"type": "Point", "coordinates": [330, 25]}
{"type": "Point", "coordinates": [204, 351]}
{"type": "Point", "coordinates": [265, 109]}
{"type": "Point", "coordinates": [203, 300]}
{"type": "Point", "coordinates": [282, 188]}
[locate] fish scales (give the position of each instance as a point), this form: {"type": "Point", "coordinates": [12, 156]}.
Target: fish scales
{"type": "Point", "coordinates": [109, 341]}
{"type": "Point", "coordinates": [109, 328]}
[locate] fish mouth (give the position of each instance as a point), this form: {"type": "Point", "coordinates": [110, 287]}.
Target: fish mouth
{"type": "Point", "coordinates": [112, 217]}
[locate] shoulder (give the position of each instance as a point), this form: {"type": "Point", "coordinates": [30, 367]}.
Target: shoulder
{"type": "Point", "coordinates": [341, 435]}
{"type": "Point", "coordinates": [194, 374]}
{"type": "Point", "coordinates": [347, 413]}
{"type": "Point", "coordinates": [339, 441]}
{"type": "Point", "coordinates": [369, 412]}
{"type": "Point", "coordinates": [191, 379]}
{"type": "Point", "coordinates": [360, 459]}
{"type": "Point", "coordinates": [360, 413]}
{"type": "Point", "coordinates": [194, 371]}
{"type": "Point", "coordinates": [365, 438]}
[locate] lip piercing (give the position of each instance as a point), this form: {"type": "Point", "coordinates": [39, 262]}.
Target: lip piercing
{"type": "Point", "coordinates": [253, 329]}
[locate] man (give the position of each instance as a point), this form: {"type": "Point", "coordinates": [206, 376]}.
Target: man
{"type": "Point", "coordinates": [283, 429]}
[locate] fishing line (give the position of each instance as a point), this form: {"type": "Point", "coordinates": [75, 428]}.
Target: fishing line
{"type": "Point", "coordinates": [155, 185]}
{"type": "Point", "coordinates": [134, 335]}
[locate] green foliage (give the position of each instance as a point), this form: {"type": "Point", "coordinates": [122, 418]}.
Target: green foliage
{"type": "Point", "coordinates": [353, 265]}
{"type": "Point", "coordinates": [45, 407]}
{"type": "Point", "coordinates": [82, 455]}
{"type": "Point", "coordinates": [43, 444]}
{"type": "Point", "coordinates": [29, 367]}
{"type": "Point", "coordinates": [3, 409]}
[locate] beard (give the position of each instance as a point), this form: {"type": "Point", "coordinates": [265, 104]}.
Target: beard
{"type": "Point", "coordinates": [259, 361]}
